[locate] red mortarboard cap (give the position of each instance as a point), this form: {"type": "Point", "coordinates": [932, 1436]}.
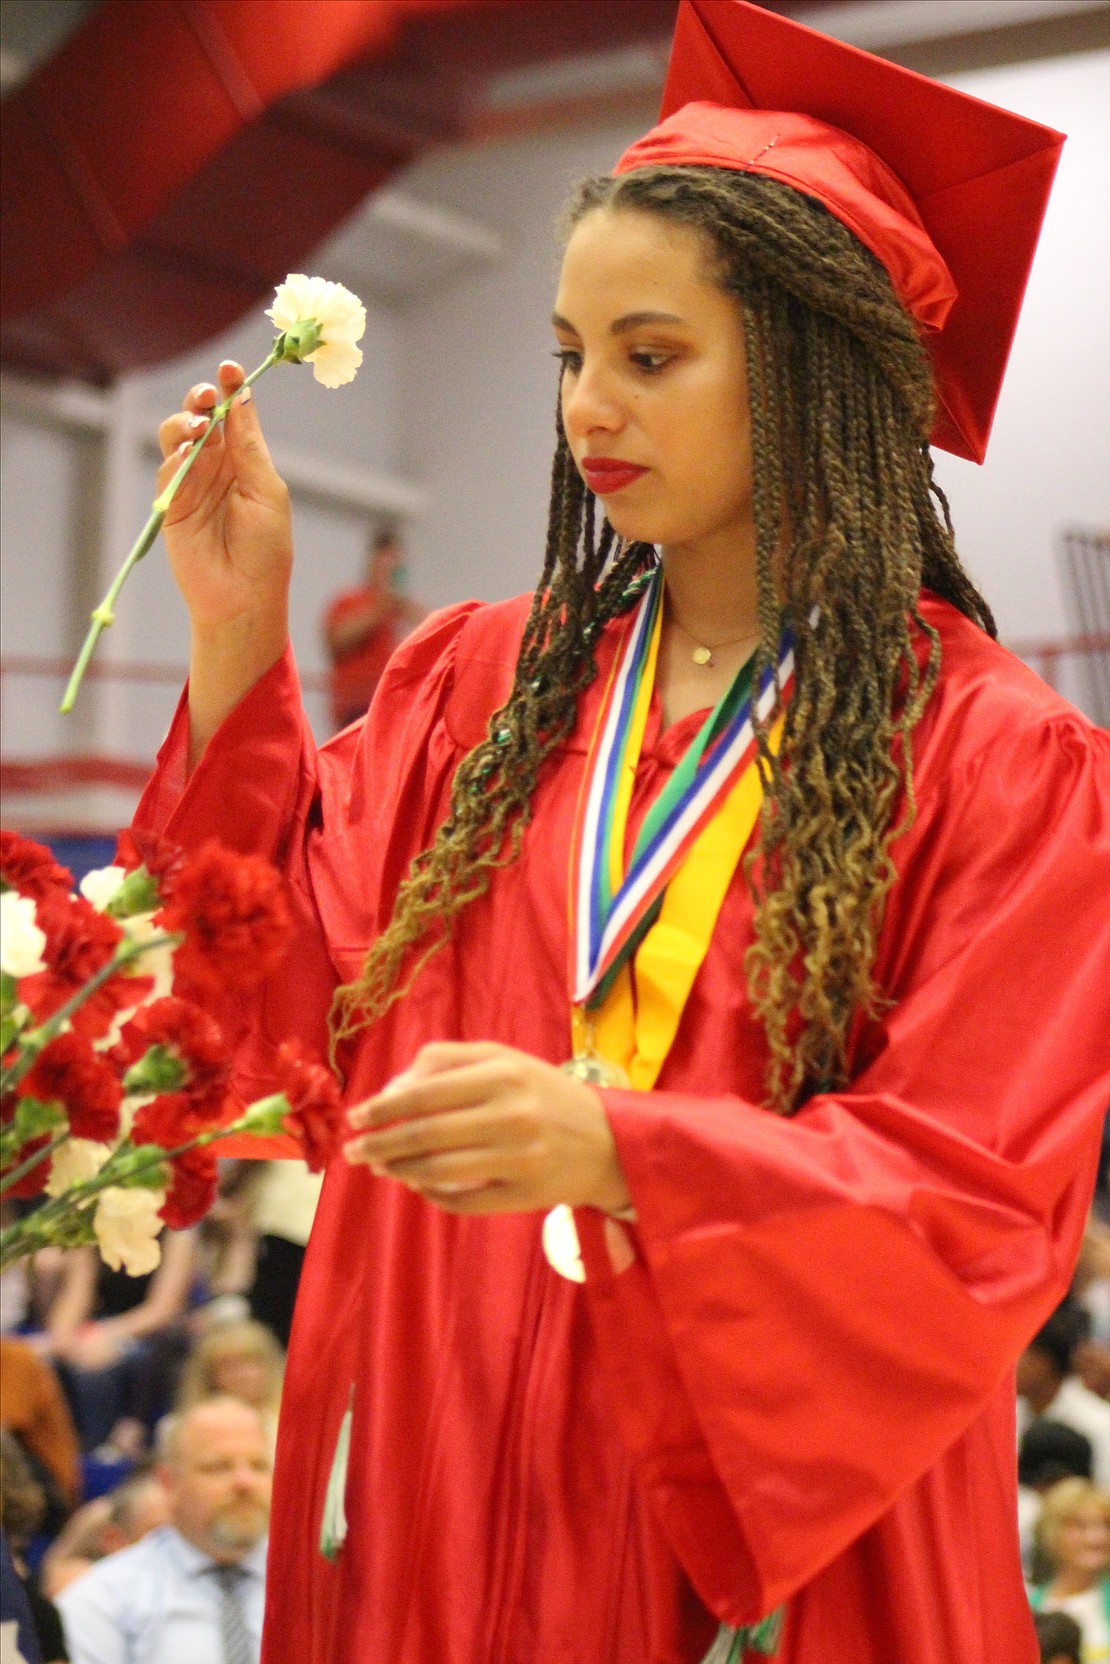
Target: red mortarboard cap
{"type": "Point", "coordinates": [947, 191]}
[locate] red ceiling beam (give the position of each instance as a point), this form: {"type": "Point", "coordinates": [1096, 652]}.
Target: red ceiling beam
{"type": "Point", "coordinates": [149, 195]}
{"type": "Point", "coordinates": [177, 157]}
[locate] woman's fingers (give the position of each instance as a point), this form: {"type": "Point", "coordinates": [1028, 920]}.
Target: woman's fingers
{"type": "Point", "coordinates": [458, 1129]}
{"type": "Point", "coordinates": [412, 1097]}
{"type": "Point", "coordinates": [231, 376]}
{"type": "Point", "coordinates": [180, 429]}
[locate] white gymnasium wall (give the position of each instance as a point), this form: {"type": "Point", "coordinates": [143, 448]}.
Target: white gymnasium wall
{"type": "Point", "coordinates": [1048, 466]}
{"type": "Point", "coordinates": [479, 410]}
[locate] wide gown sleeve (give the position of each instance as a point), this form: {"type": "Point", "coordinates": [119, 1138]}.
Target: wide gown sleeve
{"type": "Point", "coordinates": [821, 1305]}
{"type": "Point", "coordinates": [341, 822]}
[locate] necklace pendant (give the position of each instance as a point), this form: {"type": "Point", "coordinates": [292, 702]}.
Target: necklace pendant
{"type": "Point", "coordinates": [702, 655]}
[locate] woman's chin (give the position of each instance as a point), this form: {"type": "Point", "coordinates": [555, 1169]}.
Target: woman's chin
{"type": "Point", "coordinates": [632, 527]}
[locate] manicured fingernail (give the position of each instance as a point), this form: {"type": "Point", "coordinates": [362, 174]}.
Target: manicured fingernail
{"type": "Point", "coordinates": [198, 422]}
{"type": "Point", "coordinates": [246, 395]}
{"type": "Point", "coordinates": [185, 447]}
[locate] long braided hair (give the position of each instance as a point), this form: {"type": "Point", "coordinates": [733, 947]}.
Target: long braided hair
{"type": "Point", "coordinates": [847, 532]}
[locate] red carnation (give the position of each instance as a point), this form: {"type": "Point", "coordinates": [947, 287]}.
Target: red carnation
{"type": "Point", "coordinates": [170, 1119]}
{"type": "Point", "coordinates": [315, 1116]}
{"type": "Point", "coordinates": [233, 912]}
{"type": "Point", "coordinates": [32, 1183]}
{"type": "Point", "coordinates": [79, 943]}
{"type": "Point", "coordinates": [69, 1070]}
{"type": "Point", "coordinates": [191, 1035]}
{"type": "Point", "coordinates": [162, 859]}
{"type": "Point", "coordinates": [31, 869]}
{"type": "Point", "coordinates": [192, 1189]}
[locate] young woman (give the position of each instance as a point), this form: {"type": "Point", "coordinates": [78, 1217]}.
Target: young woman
{"type": "Point", "coordinates": [830, 1125]}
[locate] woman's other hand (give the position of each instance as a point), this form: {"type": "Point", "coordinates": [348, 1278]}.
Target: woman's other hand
{"type": "Point", "coordinates": [481, 1128]}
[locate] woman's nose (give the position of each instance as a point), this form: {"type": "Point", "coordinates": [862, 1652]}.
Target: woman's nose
{"type": "Point", "coordinates": [590, 404]}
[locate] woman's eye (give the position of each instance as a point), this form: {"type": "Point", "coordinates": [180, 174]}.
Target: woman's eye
{"type": "Point", "coordinates": [568, 358]}
{"type": "Point", "coordinates": [650, 362]}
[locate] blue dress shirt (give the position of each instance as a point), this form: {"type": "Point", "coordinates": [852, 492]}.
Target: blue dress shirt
{"type": "Point", "coordinates": [156, 1603]}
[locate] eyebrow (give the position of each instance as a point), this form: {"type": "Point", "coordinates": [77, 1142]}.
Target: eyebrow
{"type": "Point", "coordinates": [630, 320]}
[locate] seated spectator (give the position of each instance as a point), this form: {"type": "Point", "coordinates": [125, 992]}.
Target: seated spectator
{"type": "Point", "coordinates": [1048, 1386]}
{"type": "Point", "coordinates": [1073, 1533]}
{"type": "Point", "coordinates": [191, 1590]}
{"type": "Point", "coordinates": [23, 1505]}
{"type": "Point", "coordinates": [1048, 1452]}
{"type": "Point", "coordinates": [1091, 1287]}
{"type": "Point", "coordinates": [236, 1360]}
{"type": "Point", "coordinates": [1060, 1638]}
{"type": "Point", "coordinates": [103, 1527]}
{"type": "Point", "coordinates": [34, 1410]}
{"type": "Point", "coordinates": [117, 1341]}
{"type": "Point", "coordinates": [283, 1204]}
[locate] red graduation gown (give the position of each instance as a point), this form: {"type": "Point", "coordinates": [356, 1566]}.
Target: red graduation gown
{"type": "Point", "coordinates": [802, 1390]}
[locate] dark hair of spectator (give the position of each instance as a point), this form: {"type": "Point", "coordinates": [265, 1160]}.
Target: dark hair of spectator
{"type": "Point", "coordinates": [22, 1500]}
{"type": "Point", "coordinates": [1059, 1637]}
{"type": "Point", "coordinates": [1049, 1451]}
{"type": "Point", "coordinates": [1065, 1330]}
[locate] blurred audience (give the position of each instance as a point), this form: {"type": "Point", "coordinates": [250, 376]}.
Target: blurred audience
{"type": "Point", "coordinates": [33, 1408]}
{"type": "Point", "coordinates": [236, 1360]}
{"type": "Point", "coordinates": [364, 625]}
{"type": "Point", "coordinates": [118, 1341]}
{"type": "Point", "coordinates": [283, 1206]}
{"type": "Point", "coordinates": [190, 1590]}
{"type": "Point", "coordinates": [104, 1526]}
{"type": "Point", "coordinates": [1047, 1453]}
{"type": "Point", "coordinates": [1073, 1535]}
{"type": "Point", "coordinates": [22, 1508]}
{"type": "Point", "coordinates": [1091, 1287]}
{"type": "Point", "coordinates": [1049, 1387]}
{"type": "Point", "coordinates": [1059, 1637]}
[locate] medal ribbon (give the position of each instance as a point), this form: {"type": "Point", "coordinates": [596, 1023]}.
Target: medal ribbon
{"type": "Point", "coordinates": [662, 911]}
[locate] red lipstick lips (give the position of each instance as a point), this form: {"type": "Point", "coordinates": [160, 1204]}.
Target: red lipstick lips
{"type": "Point", "coordinates": [605, 474]}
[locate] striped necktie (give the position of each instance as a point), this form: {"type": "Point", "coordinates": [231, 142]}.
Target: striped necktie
{"type": "Point", "coordinates": [235, 1638]}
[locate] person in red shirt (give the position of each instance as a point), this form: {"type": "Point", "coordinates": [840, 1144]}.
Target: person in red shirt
{"type": "Point", "coordinates": [700, 1341]}
{"type": "Point", "coordinates": [364, 626]}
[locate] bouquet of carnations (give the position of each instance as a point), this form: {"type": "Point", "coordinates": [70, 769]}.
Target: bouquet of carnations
{"type": "Point", "coordinates": [115, 1075]}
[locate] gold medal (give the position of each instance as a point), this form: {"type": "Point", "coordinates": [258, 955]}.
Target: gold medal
{"type": "Point", "coordinates": [587, 1064]}
{"type": "Point", "coordinates": [595, 1070]}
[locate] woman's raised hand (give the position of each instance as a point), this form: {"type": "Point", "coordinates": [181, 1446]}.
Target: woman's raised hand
{"type": "Point", "coordinates": [229, 536]}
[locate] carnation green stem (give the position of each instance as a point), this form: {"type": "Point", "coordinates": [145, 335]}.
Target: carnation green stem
{"type": "Point", "coordinates": [23, 1236]}
{"type": "Point", "coordinates": [32, 1162]}
{"type": "Point", "coordinates": [30, 1045]}
{"type": "Point", "coordinates": [104, 614]}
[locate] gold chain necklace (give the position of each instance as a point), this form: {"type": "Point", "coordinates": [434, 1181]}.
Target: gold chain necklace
{"type": "Point", "coordinates": [702, 654]}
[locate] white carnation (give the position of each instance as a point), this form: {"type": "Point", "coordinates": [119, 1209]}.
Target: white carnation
{"type": "Point", "coordinates": [340, 316]}
{"type": "Point", "coordinates": [155, 962]}
{"type": "Point", "coordinates": [100, 886]}
{"type": "Point", "coordinates": [127, 1227]}
{"type": "Point", "coordinates": [130, 1107]}
{"type": "Point", "coordinates": [21, 940]}
{"type": "Point", "coordinates": [75, 1162]}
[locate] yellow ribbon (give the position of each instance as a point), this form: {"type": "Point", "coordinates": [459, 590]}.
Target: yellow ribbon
{"type": "Point", "coordinates": [637, 1023]}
